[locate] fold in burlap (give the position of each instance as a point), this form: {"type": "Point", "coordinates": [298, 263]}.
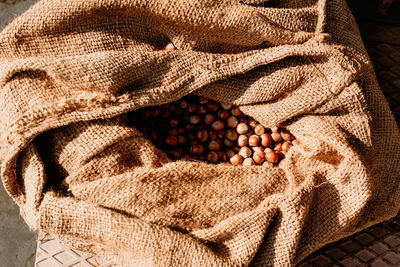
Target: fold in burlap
{"type": "Point", "coordinates": [71, 70]}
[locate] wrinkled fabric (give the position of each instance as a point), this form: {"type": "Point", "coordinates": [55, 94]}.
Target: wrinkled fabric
{"type": "Point", "coordinates": [71, 70]}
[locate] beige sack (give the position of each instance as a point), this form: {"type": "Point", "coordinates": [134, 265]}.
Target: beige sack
{"type": "Point", "coordinates": [69, 70]}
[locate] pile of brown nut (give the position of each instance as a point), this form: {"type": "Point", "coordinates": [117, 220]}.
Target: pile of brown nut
{"type": "Point", "coordinates": [197, 128]}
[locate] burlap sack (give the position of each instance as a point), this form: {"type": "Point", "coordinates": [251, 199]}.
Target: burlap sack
{"type": "Point", "coordinates": [70, 70]}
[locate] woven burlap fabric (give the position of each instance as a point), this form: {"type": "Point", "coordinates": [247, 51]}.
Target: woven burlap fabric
{"type": "Point", "coordinates": [71, 70]}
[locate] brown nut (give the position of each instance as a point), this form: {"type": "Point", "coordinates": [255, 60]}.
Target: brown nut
{"type": "Point", "coordinates": [278, 147]}
{"type": "Point", "coordinates": [194, 119]}
{"type": "Point", "coordinates": [209, 118]}
{"type": "Point", "coordinates": [212, 106]}
{"type": "Point", "coordinates": [170, 47]}
{"type": "Point", "coordinates": [214, 146]}
{"type": "Point", "coordinates": [222, 156]}
{"type": "Point", "coordinates": [218, 125]}
{"type": "Point", "coordinates": [203, 100]}
{"type": "Point", "coordinates": [271, 156]}
{"type": "Point", "coordinates": [242, 128]}
{"type": "Point", "coordinates": [230, 153]}
{"type": "Point", "coordinates": [254, 140]}
{"type": "Point", "coordinates": [183, 104]}
{"type": "Point", "coordinates": [236, 112]}
{"type": "Point", "coordinates": [226, 106]}
{"type": "Point", "coordinates": [173, 122]}
{"type": "Point", "coordinates": [276, 136]}
{"type": "Point", "coordinates": [196, 149]}
{"type": "Point", "coordinates": [228, 142]}
{"type": "Point", "coordinates": [286, 135]}
{"type": "Point", "coordinates": [266, 139]}
{"type": "Point", "coordinates": [232, 122]}
{"type": "Point", "coordinates": [171, 141]}
{"type": "Point", "coordinates": [285, 146]}
{"type": "Point", "coordinates": [258, 148]}
{"type": "Point", "coordinates": [252, 123]}
{"type": "Point", "coordinates": [181, 140]}
{"type": "Point", "coordinates": [248, 162]}
{"type": "Point", "coordinates": [202, 109]}
{"type": "Point", "coordinates": [258, 157]}
{"type": "Point", "coordinates": [242, 140]}
{"type": "Point", "coordinates": [267, 164]}
{"type": "Point", "coordinates": [259, 129]}
{"type": "Point", "coordinates": [212, 135]}
{"type": "Point", "coordinates": [223, 114]}
{"type": "Point", "coordinates": [212, 157]}
{"type": "Point", "coordinates": [245, 152]}
{"type": "Point", "coordinates": [236, 160]}
{"type": "Point", "coordinates": [231, 134]}
{"type": "Point", "coordinates": [202, 135]}
{"type": "Point", "coordinates": [192, 108]}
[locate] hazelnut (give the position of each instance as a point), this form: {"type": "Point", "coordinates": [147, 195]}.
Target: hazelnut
{"type": "Point", "coordinates": [245, 152]}
{"type": "Point", "coordinates": [214, 146]}
{"type": "Point", "coordinates": [218, 125]}
{"type": "Point", "coordinates": [236, 112]}
{"type": "Point", "coordinates": [296, 142]}
{"type": "Point", "coordinates": [285, 146]}
{"type": "Point", "coordinates": [212, 157]}
{"type": "Point", "coordinates": [258, 149]}
{"type": "Point", "coordinates": [286, 135]}
{"type": "Point", "coordinates": [258, 157]}
{"type": "Point", "coordinates": [242, 140]}
{"type": "Point", "coordinates": [221, 134]}
{"type": "Point", "coordinates": [252, 123]}
{"type": "Point", "coordinates": [173, 131]}
{"type": "Point", "coordinates": [271, 156]}
{"type": "Point", "coordinates": [232, 122]}
{"type": "Point", "coordinates": [259, 129]}
{"type": "Point", "coordinates": [223, 114]}
{"type": "Point", "coordinates": [278, 147]}
{"type": "Point", "coordinates": [226, 106]}
{"type": "Point", "coordinates": [254, 140]}
{"type": "Point", "coordinates": [196, 149]}
{"type": "Point", "coordinates": [242, 128]}
{"type": "Point", "coordinates": [230, 153]}
{"type": "Point", "coordinates": [186, 156]}
{"type": "Point", "coordinates": [202, 135]}
{"type": "Point", "coordinates": [231, 134]}
{"type": "Point", "coordinates": [170, 47]}
{"type": "Point", "coordinates": [209, 118]}
{"type": "Point", "coordinates": [237, 148]}
{"type": "Point", "coordinates": [276, 136]}
{"type": "Point", "coordinates": [174, 154]}
{"type": "Point", "coordinates": [202, 109]}
{"type": "Point", "coordinates": [171, 141]}
{"type": "Point", "coordinates": [183, 104]}
{"type": "Point", "coordinates": [212, 106]}
{"type": "Point", "coordinates": [212, 135]}
{"type": "Point", "coordinates": [173, 122]}
{"type": "Point", "coordinates": [181, 140]}
{"type": "Point", "coordinates": [266, 139]}
{"type": "Point", "coordinates": [228, 142]}
{"type": "Point", "coordinates": [267, 164]}
{"type": "Point", "coordinates": [192, 108]}
{"type": "Point", "coordinates": [203, 100]}
{"type": "Point", "coordinates": [222, 156]}
{"type": "Point", "coordinates": [248, 162]}
{"type": "Point", "coordinates": [236, 160]}
{"type": "Point", "coordinates": [194, 119]}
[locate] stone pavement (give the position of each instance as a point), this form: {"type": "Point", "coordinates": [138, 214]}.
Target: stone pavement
{"type": "Point", "coordinates": [17, 243]}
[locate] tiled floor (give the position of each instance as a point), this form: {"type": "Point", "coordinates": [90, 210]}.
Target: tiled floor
{"type": "Point", "coordinates": [17, 243]}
